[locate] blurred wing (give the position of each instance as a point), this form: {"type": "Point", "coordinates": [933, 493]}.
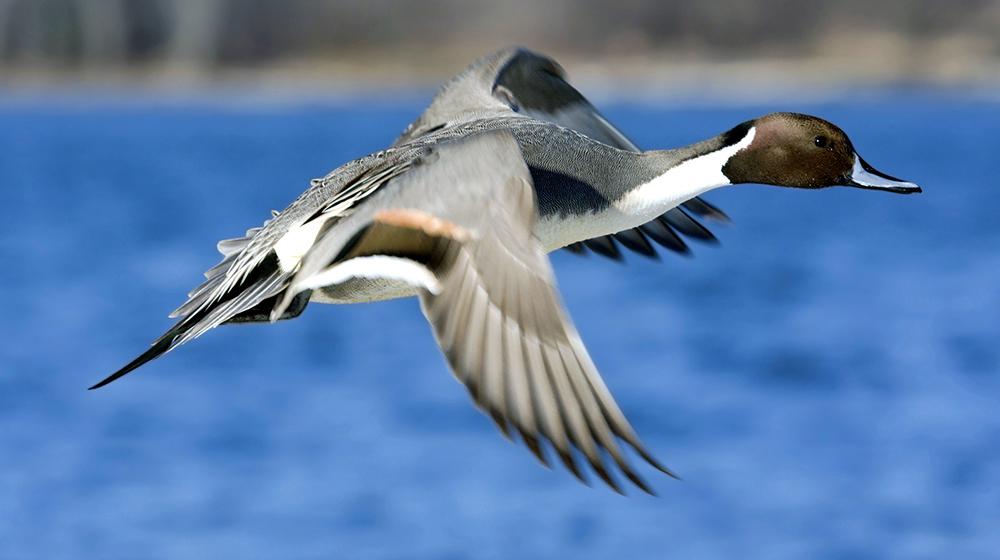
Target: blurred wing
{"type": "Point", "coordinates": [487, 289]}
{"type": "Point", "coordinates": [521, 81]}
{"type": "Point", "coordinates": [500, 323]}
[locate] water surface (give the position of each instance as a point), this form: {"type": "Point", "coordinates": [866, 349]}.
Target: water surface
{"type": "Point", "coordinates": [826, 381]}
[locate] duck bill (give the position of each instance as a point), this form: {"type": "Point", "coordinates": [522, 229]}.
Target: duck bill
{"type": "Point", "coordinates": [864, 176]}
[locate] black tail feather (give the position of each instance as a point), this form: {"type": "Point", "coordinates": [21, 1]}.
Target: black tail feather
{"type": "Point", "coordinates": [246, 301]}
{"type": "Point", "coordinates": [259, 313]}
{"type": "Point", "coordinates": [160, 347]}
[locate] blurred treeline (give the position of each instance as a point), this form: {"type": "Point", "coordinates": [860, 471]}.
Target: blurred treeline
{"type": "Point", "coordinates": [213, 35]}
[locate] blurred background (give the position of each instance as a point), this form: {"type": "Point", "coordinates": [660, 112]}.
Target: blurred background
{"type": "Point", "coordinates": [826, 381]}
{"type": "Point", "coordinates": [352, 43]}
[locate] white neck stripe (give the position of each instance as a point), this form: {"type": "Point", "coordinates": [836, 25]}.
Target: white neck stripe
{"type": "Point", "coordinates": [683, 182]}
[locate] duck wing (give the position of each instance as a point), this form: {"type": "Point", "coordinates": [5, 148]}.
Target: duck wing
{"type": "Point", "coordinates": [522, 81]}
{"type": "Point", "coordinates": [459, 229]}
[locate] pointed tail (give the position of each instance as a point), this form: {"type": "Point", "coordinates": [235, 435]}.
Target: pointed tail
{"type": "Point", "coordinates": [162, 345]}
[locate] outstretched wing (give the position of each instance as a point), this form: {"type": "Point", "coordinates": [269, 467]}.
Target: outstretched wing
{"type": "Point", "coordinates": [460, 231]}
{"type": "Point", "coordinates": [519, 80]}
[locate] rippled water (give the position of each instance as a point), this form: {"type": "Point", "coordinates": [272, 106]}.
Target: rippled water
{"type": "Point", "coordinates": [826, 381]}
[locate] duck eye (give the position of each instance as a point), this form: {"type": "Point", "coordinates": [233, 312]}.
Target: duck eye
{"type": "Point", "coordinates": [821, 141]}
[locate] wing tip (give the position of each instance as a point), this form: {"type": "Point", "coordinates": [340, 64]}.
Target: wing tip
{"type": "Point", "coordinates": [658, 465]}
{"type": "Point", "coordinates": [705, 209]}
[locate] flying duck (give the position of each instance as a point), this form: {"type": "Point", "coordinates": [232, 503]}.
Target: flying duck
{"type": "Point", "coordinates": [508, 163]}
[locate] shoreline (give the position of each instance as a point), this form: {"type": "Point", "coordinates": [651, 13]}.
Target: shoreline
{"type": "Point", "coordinates": [641, 80]}
{"type": "Point", "coordinates": [239, 98]}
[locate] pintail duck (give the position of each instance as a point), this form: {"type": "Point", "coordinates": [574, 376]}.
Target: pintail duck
{"type": "Point", "coordinates": [508, 162]}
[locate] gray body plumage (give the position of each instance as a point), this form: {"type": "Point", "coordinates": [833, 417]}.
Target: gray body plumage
{"type": "Point", "coordinates": [568, 187]}
{"type": "Point", "coordinates": [574, 177]}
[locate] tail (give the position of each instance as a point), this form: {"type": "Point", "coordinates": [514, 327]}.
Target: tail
{"type": "Point", "coordinates": [162, 345]}
{"type": "Point", "coordinates": [192, 326]}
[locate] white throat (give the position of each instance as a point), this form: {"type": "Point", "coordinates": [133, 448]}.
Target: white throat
{"type": "Point", "coordinates": [681, 183]}
{"type": "Point", "coordinates": [645, 202]}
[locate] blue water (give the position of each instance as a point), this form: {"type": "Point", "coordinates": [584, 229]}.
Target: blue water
{"type": "Point", "coordinates": [827, 381]}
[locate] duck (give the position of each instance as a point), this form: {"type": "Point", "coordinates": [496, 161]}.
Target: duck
{"type": "Point", "coordinates": [507, 164]}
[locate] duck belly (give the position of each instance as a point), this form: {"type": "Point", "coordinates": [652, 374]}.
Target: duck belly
{"type": "Point", "coordinates": [559, 230]}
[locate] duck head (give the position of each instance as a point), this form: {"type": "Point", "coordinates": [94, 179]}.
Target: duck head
{"type": "Point", "coordinates": [795, 150]}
